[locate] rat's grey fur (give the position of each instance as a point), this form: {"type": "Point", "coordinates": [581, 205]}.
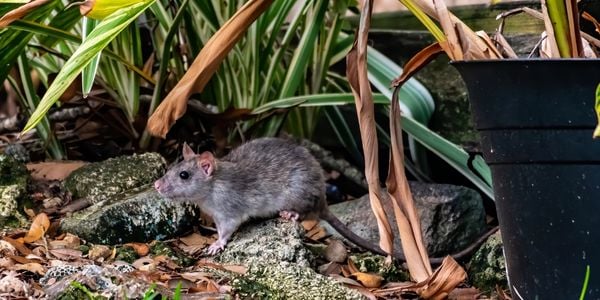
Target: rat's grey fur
{"type": "Point", "coordinates": [263, 178]}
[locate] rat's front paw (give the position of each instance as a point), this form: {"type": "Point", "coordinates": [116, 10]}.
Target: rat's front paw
{"type": "Point", "coordinates": [216, 247]}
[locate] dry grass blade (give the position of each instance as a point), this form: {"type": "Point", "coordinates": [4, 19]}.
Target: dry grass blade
{"type": "Point", "coordinates": [503, 46]}
{"type": "Point", "coordinates": [472, 47]}
{"type": "Point", "coordinates": [573, 19]}
{"type": "Point", "coordinates": [449, 30]}
{"type": "Point", "coordinates": [417, 62]}
{"type": "Point", "coordinates": [407, 218]}
{"type": "Point", "coordinates": [204, 66]}
{"type": "Point", "coordinates": [356, 71]}
{"type": "Point", "coordinates": [20, 12]}
{"type": "Point", "coordinates": [590, 18]}
{"type": "Point", "coordinates": [489, 43]}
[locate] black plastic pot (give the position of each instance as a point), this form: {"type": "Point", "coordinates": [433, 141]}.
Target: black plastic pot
{"type": "Point", "coordinates": [536, 119]}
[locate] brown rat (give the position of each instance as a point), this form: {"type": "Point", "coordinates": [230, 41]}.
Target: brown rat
{"type": "Point", "coordinates": [263, 178]}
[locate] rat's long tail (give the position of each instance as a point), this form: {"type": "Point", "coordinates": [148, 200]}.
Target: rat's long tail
{"type": "Point", "coordinates": [354, 238]}
{"type": "Point", "coordinates": [359, 241]}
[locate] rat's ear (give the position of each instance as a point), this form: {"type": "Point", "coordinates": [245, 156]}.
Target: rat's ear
{"type": "Point", "coordinates": [206, 163]}
{"type": "Point", "coordinates": [188, 153]}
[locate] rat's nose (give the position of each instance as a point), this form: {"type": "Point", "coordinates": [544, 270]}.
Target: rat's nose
{"type": "Point", "coordinates": [157, 185]}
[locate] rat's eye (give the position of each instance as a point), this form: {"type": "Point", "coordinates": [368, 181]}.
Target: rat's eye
{"type": "Point", "coordinates": [184, 175]}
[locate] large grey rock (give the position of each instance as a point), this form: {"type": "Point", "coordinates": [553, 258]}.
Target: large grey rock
{"type": "Point", "coordinates": [452, 217]}
{"type": "Point", "coordinates": [104, 180]}
{"type": "Point", "coordinates": [269, 241]}
{"type": "Point", "coordinates": [140, 217]}
{"type": "Point", "coordinates": [487, 267]}
{"type": "Point", "coordinates": [13, 186]}
{"type": "Point", "coordinates": [278, 264]}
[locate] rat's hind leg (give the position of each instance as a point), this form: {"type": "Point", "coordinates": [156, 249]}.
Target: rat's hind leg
{"type": "Point", "coordinates": [289, 215]}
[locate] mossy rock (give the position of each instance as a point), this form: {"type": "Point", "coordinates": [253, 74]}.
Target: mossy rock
{"type": "Point", "coordinates": [13, 187]}
{"type": "Point", "coordinates": [289, 281]}
{"type": "Point", "coordinates": [141, 217]}
{"type": "Point", "coordinates": [103, 180]}
{"type": "Point", "coordinates": [486, 268]}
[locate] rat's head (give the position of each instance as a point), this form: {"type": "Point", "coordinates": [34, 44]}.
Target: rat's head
{"type": "Point", "coordinates": [188, 179]}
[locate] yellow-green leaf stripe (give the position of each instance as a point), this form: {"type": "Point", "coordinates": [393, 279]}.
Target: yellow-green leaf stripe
{"type": "Point", "coordinates": [597, 108]}
{"type": "Point", "coordinates": [98, 39]}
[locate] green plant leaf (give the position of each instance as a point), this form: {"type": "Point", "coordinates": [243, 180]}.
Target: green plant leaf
{"type": "Point", "coordinates": [89, 72]}
{"type": "Point", "coordinates": [98, 39]}
{"type": "Point", "coordinates": [560, 23]}
{"type": "Point", "coordinates": [597, 108]}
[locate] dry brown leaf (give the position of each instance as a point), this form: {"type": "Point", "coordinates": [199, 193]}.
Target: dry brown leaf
{"type": "Point", "coordinates": [309, 224]}
{"type": "Point", "coordinates": [586, 16]}
{"type": "Point", "coordinates": [504, 46]}
{"type": "Point", "coordinates": [38, 228]}
{"type": "Point", "coordinates": [330, 268]}
{"type": "Point", "coordinates": [6, 263]}
{"type": "Point", "coordinates": [352, 268]}
{"type": "Point", "coordinates": [204, 66]}
{"type": "Point", "coordinates": [417, 62]}
{"type": "Point", "coordinates": [55, 170]}
{"type": "Point", "coordinates": [195, 276]}
{"type": "Point", "coordinates": [20, 12]}
{"type": "Point", "coordinates": [141, 249]}
{"type": "Point", "coordinates": [488, 42]}
{"type": "Point", "coordinates": [445, 278]}
{"type": "Point", "coordinates": [18, 245]}
{"type": "Point", "coordinates": [464, 294]}
{"type": "Point", "coordinates": [19, 259]}
{"type": "Point", "coordinates": [407, 219]}
{"type": "Point", "coordinates": [195, 239]}
{"type": "Point", "coordinates": [369, 280]}
{"type": "Point", "coordinates": [356, 72]}
{"type": "Point", "coordinates": [66, 254]}
{"type": "Point", "coordinates": [574, 33]}
{"type": "Point", "coordinates": [31, 267]}
{"type": "Point", "coordinates": [236, 269]}
{"type": "Point", "coordinates": [316, 233]}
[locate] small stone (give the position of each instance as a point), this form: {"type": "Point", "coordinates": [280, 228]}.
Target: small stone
{"type": "Point", "coordinates": [336, 251]}
{"type": "Point", "coordinates": [13, 185]}
{"type": "Point", "coordinates": [98, 252]}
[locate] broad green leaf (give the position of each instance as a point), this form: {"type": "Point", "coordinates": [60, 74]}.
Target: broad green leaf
{"type": "Point", "coordinates": [99, 38]}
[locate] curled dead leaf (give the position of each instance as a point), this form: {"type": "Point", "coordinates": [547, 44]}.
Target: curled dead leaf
{"type": "Point", "coordinates": [368, 280]}
{"type": "Point", "coordinates": [38, 228]}
{"type": "Point", "coordinates": [66, 254]}
{"type": "Point", "coordinates": [53, 170]}
{"type": "Point", "coordinates": [140, 248]}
